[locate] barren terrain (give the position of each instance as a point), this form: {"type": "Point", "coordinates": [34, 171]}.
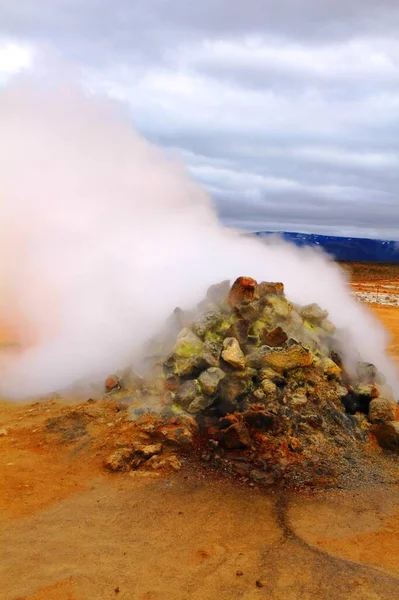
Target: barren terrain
{"type": "Point", "coordinates": [70, 531]}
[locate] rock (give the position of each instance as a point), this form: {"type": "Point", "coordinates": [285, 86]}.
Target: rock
{"type": "Point", "coordinates": [200, 404]}
{"type": "Point", "coordinates": [209, 380]}
{"type": "Point", "coordinates": [382, 410]}
{"type": "Point", "coordinates": [187, 392]}
{"type": "Point", "coordinates": [235, 437]}
{"type": "Point", "coordinates": [264, 480]}
{"type": "Point", "coordinates": [188, 344]}
{"type": "Point", "coordinates": [274, 338]}
{"type": "Point", "coordinates": [233, 354]}
{"type": "Point", "coordinates": [387, 434]}
{"type": "Point", "coordinates": [184, 367]}
{"type": "Point", "coordinates": [146, 450]}
{"type": "Point", "coordinates": [121, 460]}
{"type": "Point", "coordinates": [280, 306]}
{"type": "Point", "coordinates": [239, 330]}
{"type": "Point", "coordinates": [210, 320]}
{"type": "Point", "coordinates": [231, 388]}
{"type": "Point", "coordinates": [269, 373]}
{"type": "Point", "coordinates": [329, 367]}
{"type": "Point", "coordinates": [171, 383]}
{"type": "Point", "coordinates": [176, 434]}
{"type": "Point", "coordinates": [218, 292]}
{"type": "Point", "coordinates": [296, 398]}
{"type": "Point", "coordinates": [313, 313]}
{"type": "Point", "coordinates": [164, 462]}
{"type": "Point", "coordinates": [289, 357]}
{"type": "Point", "coordinates": [112, 383]}
{"type": "Point", "coordinates": [328, 327]}
{"type": "Point", "coordinates": [269, 389]}
{"type": "Point", "coordinates": [244, 289]}
{"type": "Point", "coordinates": [259, 419]}
{"type": "Point", "coordinates": [368, 373]}
{"type": "Point", "coordinates": [3, 432]}
{"type": "Point", "coordinates": [249, 311]}
{"type": "Point", "coordinates": [266, 287]}
{"type": "Point", "coordinates": [211, 353]}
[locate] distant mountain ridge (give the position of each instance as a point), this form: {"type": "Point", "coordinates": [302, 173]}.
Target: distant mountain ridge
{"type": "Point", "coordinates": [343, 248]}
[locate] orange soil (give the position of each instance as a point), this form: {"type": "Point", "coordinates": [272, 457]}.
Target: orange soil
{"type": "Point", "coordinates": [72, 532]}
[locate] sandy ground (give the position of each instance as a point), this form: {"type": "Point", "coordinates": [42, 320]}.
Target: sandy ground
{"type": "Point", "coordinates": [69, 531]}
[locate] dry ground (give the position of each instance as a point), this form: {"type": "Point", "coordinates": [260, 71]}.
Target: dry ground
{"type": "Point", "coordinates": [69, 531]}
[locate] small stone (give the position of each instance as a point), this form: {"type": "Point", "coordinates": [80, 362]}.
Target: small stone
{"type": "Point", "coordinates": [239, 573]}
{"type": "Point", "coordinates": [382, 410]}
{"type": "Point", "coordinates": [3, 431]}
{"type": "Point", "coordinates": [235, 437]}
{"type": "Point", "coordinates": [233, 354]}
{"type": "Point", "coordinates": [172, 382]}
{"type": "Point", "coordinates": [112, 383]}
{"type": "Point", "coordinates": [259, 583]}
{"type": "Point", "coordinates": [232, 388]}
{"type": "Point", "coordinates": [209, 380]}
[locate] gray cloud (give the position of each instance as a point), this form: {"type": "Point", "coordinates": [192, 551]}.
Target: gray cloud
{"type": "Point", "coordinates": [288, 112]}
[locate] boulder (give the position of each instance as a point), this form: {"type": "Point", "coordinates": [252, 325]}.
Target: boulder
{"type": "Point", "coordinates": [269, 389]}
{"type": "Point", "coordinates": [275, 337]}
{"type": "Point", "coordinates": [200, 404]}
{"type": "Point", "coordinates": [382, 410]}
{"type": "Point", "coordinates": [266, 288]}
{"type": "Point", "coordinates": [112, 383]}
{"type": "Point", "coordinates": [387, 434]}
{"type": "Point", "coordinates": [208, 321]}
{"type": "Point", "coordinates": [218, 292]}
{"type": "Point", "coordinates": [235, 437]}
{"type": "Point", "coordinates": [239, 330]}
{"type": "Point", "coordinates": [280, 306]}
{"type": "Point", "coordinates": [187, 392]}
{"type": "Point", "coordinates": [280, 360]}
{"type": "Point", "coordinates": [313, 313]}
{"type": "Point", "coordinates": [244, 289]}
{"type": "Point", "coordinates": [209, 380]}
{"type": "Point", "coordinates": [188, 344]}
{"type": "Point", "coordinates": [211, 353]}
{"type": "Point", "coordinates": [232, 353]}
{"type": "Point", "coordinates": [329, 367]}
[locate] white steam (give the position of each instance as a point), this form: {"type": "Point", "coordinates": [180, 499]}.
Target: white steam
{"type": "Point", "coordinates": [102, 236]}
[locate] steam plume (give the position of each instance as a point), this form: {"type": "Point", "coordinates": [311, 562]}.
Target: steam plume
{"type": "Point", "coordinates": [102, 236]}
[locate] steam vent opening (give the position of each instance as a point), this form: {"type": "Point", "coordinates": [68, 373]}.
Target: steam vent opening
{"type": "Point", "coordinates": [257, 388]}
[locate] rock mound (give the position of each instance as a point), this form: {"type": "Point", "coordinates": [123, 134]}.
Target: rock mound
{"type": "Point", "coordinates": [267, 384]}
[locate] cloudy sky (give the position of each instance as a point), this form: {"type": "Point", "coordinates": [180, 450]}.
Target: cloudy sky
{"type": "Point", "coordinates": [286, 110]}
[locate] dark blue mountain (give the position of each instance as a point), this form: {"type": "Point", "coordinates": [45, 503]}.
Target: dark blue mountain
{"type": "Point", "coordinates": [344, 248]}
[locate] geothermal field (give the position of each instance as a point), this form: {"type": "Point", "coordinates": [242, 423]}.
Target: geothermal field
{"type": "Point", "coordinates": [251, 457]}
